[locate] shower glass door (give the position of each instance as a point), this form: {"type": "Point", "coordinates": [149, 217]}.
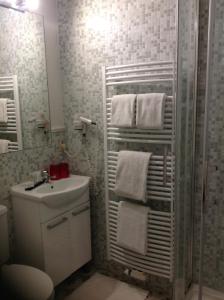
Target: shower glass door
{"type": "Point", "coordinates": [212, 233]}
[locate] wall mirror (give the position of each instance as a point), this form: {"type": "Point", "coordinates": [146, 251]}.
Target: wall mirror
{"type": "Point", "coordinates": [24, 105]}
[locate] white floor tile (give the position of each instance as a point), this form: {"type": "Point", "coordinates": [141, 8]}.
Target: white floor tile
{"type": "Point", "coordinates": [100, 287]}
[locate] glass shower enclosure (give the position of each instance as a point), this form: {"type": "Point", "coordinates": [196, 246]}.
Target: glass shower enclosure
{"type": "Point", "coordinates": [212, 197]}
{"type": "Point", "coordinates": [199, 256]}
{"type": "Point", "coordinates": [187, 62]}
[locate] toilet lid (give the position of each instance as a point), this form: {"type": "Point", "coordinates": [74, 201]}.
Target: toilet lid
{"type": "Point", "coordinates": [28, 282]}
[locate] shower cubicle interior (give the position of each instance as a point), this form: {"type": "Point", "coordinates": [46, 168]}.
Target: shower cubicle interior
{"type": "Point", "coordinates": [199, 252]}
{"type": "Point", "coordinates": [212, 204]}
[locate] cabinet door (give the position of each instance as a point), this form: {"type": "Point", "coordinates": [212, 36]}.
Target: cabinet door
{"type": "Point", "coordinates": [80, 236]}
{"type": "Point", "coordinates": [57, 250]}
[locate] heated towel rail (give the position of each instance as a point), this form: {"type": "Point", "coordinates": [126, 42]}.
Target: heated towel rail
{"type": "Point", "coordinates": [160, 182]}
{"type": "Point", "coordinates": [9, 89]}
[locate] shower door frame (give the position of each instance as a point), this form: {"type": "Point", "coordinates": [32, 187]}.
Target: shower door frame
{"type": "Point", "coordinates": [182, 284]}
{"type": "Point", "coordinates": [204, 183]}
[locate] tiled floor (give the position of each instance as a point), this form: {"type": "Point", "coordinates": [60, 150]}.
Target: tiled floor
{"type": "Point", "coordinates": [100, 287]}
{"type": "Point", "coordinates": [88, 285]}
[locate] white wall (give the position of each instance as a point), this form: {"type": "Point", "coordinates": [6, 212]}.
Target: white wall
{"type": "Point", "coordinates": [48, 8]}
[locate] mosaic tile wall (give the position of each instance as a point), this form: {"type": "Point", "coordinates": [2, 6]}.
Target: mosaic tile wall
{"type": "Point", "coordinates": [213, 263]}
{"type": "Point", "coordinates": [90, 38]}
{"type": "Point", "coordinates": [23, 34]}
{"type": "Point", "coordinates": [83, 50]}
{"type": "Point", "coordinates": [92, 34]}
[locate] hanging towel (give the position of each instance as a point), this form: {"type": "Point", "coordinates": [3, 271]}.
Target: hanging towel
{"type": "Point", "coordinates": [150, 111]}
{"type": "Point", "coordinates": [4, 146]}
{"type": "Point", "coordinates": [131, 175]}
{"type": "Point", "coordinates": [3, 111]}
{"type": "Point", "coordinates": [123, 110]}
{"type": "Point", "coordinates": [132, 227]}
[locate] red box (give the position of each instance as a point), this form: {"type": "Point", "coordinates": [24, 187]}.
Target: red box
{"type": "Point", "coordinates": [64, 170]}
{"type": "Point", "coordinates": [55, 172]}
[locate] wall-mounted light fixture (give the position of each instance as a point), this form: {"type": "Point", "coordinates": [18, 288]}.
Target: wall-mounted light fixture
{"type": "Point", "coordinates": [21, 5]}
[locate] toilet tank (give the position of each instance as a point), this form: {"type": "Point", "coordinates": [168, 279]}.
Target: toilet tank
{"type": "Point", "coordinates": [4, 239]}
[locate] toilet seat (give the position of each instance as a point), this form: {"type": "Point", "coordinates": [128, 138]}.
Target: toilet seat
{"type": "Point", "coordinates": [28, 283]}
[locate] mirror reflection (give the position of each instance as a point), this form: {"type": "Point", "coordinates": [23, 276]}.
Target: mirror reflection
{"type": "Point", "coordinates": [24, 107]}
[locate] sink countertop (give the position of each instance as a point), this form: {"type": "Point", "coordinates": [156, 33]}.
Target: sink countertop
{"type": "Point", "coordinates": [55, 193]}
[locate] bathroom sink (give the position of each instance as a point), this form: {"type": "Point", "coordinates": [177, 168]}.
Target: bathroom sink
{"type": "Point", "coordinates": [56, 193]}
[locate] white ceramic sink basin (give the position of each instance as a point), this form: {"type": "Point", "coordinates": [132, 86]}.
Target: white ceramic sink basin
{"type": "Point", "coordinates": [56, 193]}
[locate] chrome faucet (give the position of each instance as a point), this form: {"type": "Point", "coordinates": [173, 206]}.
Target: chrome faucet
{"type": "Point", "coordinates": [45, 176]}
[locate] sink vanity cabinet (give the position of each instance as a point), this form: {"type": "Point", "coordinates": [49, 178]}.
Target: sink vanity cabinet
{"type": "Point", "coordinates": [57, 248]}
{"type": "Point", "coordinates": [66, 242]}
{"type": "Point", "coordinates": [54, 239]}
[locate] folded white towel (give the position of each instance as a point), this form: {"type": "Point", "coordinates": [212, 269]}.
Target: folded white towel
{"type": "Point", "coordinates": [131, 175]}
{"type": "Point", "coordinates": [150, 111]}
{"type": "Point", "coordinates": [132, 227]}
{"type": "Point", "coordinates": [4, 144]}
{"type": "Point", "coordinates": [123, 110]}
{"type": "Point", "coordinates": [3, 110]}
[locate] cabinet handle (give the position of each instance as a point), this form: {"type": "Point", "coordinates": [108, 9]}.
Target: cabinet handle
{"type": "Point", "coordinates": [51, 226]}
{"type": "Point", "coordinates": [75, 213]}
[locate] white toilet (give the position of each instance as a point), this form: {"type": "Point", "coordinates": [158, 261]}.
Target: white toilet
{"type": "Point", "coordinates": [26, 283]}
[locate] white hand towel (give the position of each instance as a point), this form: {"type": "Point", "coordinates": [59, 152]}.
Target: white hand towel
{"type": "Point", "coordinates": [150, 111]}
{"type": "Point", "coordinates": [131, 175]}
{"type": "Point", "coordinates": [4, 144]}
{"type": "Point", "coordinates": [132, 227]}
{"type": "Point", "coordinates": [123, 110]}
{"type": "Point", "coordinates": [3, 111]}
